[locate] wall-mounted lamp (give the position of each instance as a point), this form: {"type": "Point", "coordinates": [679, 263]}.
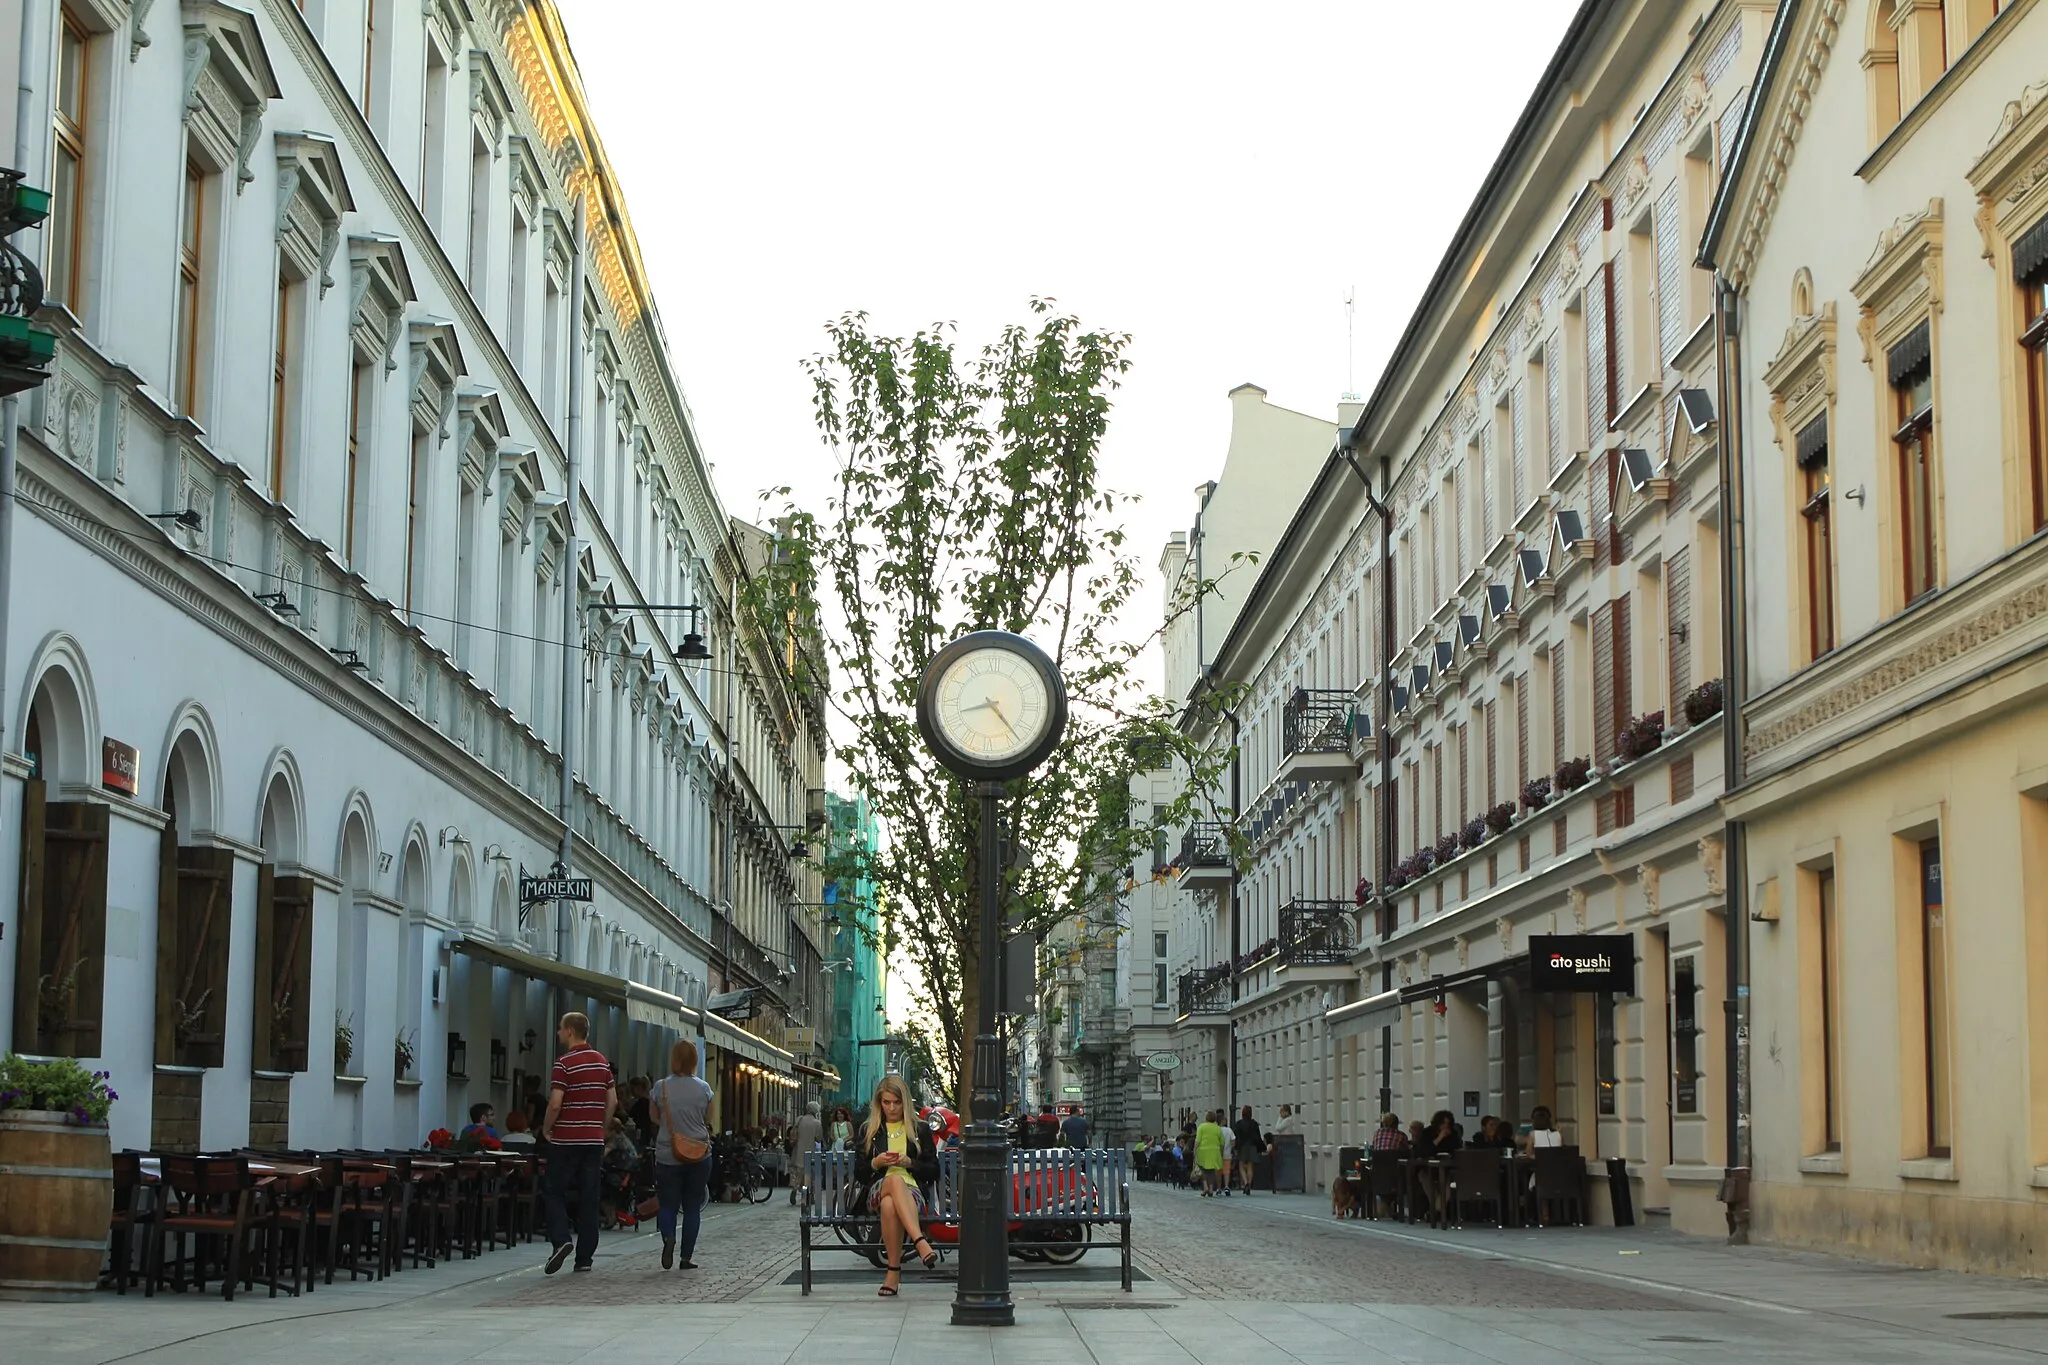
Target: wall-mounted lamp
{"type": "Point", "coordinates": [495, 853]}
{"type": "Point", "coordinates": [497, 1059]}
{"type": "Point", "coordinates": [278, 602]}
{"type": "Point", "coordinates": [458, 1058]}
{"type": "Point", "coordinates": [349, 658]}
{"type": "Point", "coordinates": [692, 649]}
{"type": "Point", "coordinates": [189, 518]}
{"type": "Point", "coordinates": [527, 1041]}
{"type": "Point", "coordinates": [452, 835]}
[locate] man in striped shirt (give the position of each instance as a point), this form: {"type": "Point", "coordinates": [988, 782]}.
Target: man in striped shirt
{"type": "Point", "coordinates": [582, 1099]}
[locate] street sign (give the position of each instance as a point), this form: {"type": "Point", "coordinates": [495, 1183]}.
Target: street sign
{"type": "Point", "coordinates": [1070, 1090]}
{"type": "Point", "coordinates": [1163, 1061]}
{"type": "Point", "coordinates": [552, 888]}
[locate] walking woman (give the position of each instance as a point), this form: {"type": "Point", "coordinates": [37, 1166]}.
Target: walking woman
{"type": "Point", "coordinates": [1209, 1151]}
{"type": "Point", "coordinates": [1251, 1145]}
{"type": "Point", "coordinates": [897, 1160]}
{"type": "Point", "coordinates": [681, 1102]}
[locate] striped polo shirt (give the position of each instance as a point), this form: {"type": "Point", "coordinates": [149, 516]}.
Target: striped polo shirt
{"type": "Point", "coordinates": [583, 1076]}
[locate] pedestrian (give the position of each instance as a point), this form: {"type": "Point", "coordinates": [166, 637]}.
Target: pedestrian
{"type": "Point", "coordinates": [806, 1138]}
{"type": "Point", "coordinates": [640, 1112]}
{"type": "Point", "coordinates": [1251, 1145]}
{"type": "Point", "coordinates": [681, 1102]}
{"type": "Point", "coordinates": [1284, 1124]}
{"type": "Point", "coordinates": [1209, 1152]}
{"type": "Point", "coordinates": [897, 1161]}
{"type": "Point", "coordinates": [842, 1128]}
{"type": "Point", "coordinates": [581, 1101]}
{"type": "Point", "coordinates": [1075, 1128]}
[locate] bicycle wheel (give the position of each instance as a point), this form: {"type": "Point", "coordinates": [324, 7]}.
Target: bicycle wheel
{"type": "Point", "coordinates": [757, 1186]}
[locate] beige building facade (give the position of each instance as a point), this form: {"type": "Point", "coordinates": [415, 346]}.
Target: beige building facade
{"type": "Point", "coordinates": [1884, 234]}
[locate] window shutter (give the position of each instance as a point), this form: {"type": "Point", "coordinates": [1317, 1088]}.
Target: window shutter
{"type": "Point", "coordinates": [1624, 658]}
{"type": "Point", "coordinates": [1619, 544]}
{"type": "Point", "coordinates": [1489, 489]}
{"type": "Point", "coordinates": [1464, 770]}
{"type": "Point", "coordinates": [284, 963]}
{"type": "Point", "coordinates": [199, 982]}
{"type": "Point", "coordinates": [1492, 741]}
{"type": "Point", "coordinates": [69, 934]}
{"type": "Point", "coordinates": [167, 946]}
{"type": "Point", "coordinates": [1678, 630]}
{"type": "Point", "coordinates": [1460, 490]}
{"type": "Point", "coordinates": [1553, 403]}
{"type": "Point", "coordinates": [1518, 422]}
{"type": "Point", "coordinates": [1603, 682]}
{"type": "Point", "coordinates": [1617, 347]}
{"type": "Point", "coordinates": [1596, 359]}
{"type": "Point", "coordinates": [1558, 753]}
{"type": "Point", "coordinates": [1670, 275]}
{"type": "Point", "coordinates": [1521, 737]}
{"type": "Point", "coordinates": [28, 946]}
{"type": "Point", "coordinates": [1600, 500]}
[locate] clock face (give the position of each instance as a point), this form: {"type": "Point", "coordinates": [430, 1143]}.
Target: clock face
{"type": "Point", "coordinates": [991, 705]}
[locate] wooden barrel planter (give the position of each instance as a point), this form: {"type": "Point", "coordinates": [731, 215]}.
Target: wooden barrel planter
{"type": "Point", "coordinates": [56, 1203]}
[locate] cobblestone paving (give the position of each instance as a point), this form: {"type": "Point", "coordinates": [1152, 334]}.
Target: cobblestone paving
{"type": "Point", "coordinates": [741, 1248]}
{"type": "Point", "coordinates": [1259, 1247]}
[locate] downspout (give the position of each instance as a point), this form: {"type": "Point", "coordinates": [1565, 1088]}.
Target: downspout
{"type": "Point", "coordinates": [1383, 909]}
{"type": "Point", "coordinates": [1236, 800]}
{"type": "Point", "coordinates": [10, 407]}
{"type": "Point", "coordinates": [1735, 1188]}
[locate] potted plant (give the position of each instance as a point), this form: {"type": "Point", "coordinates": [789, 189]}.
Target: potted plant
{"type": "Point", "coordinates": [1500, 817]}
{"type": "Point", "coordinates": [1536, 793]}
{"type": "Point", "coordinates": [56, 1173]}
{"type": "Point", "coordinates": [1400, 874]}
{"type": "Point", "coordinates": [404, 1052]}
{"type": "Point", "coordinates": [1446, 849]}
{"type": "Point", "coordinates": [344, 1043]}
{"type": "Point", "coordinates": [1572, 774]}
{"type": "Point", "coordinates": [1424, 861]}
{"type": "Point", "coordinates": [1703, 703]}
{"type": "Point", "coordinates": [1362, 893]}
{"type": "Point", "coordinates": [1640, 737]}
{"type": "Point", "coordinates": [1472, 833]}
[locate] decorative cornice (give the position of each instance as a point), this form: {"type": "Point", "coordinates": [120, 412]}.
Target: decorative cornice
{"type": "Point", "coordinates": [1795, 101]}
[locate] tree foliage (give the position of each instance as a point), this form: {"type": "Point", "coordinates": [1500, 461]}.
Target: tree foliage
{"type": "Point", "coordinates": [969, 497]}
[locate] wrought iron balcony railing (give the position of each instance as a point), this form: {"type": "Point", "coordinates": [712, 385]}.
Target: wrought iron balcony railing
{"type": "Point", "coordinates": [1317, 721]}
{"type": "Point", "coordinates": [1205, 990]}
{"type": "Point", "coordinates": [1206, 844]}
{"type": "Point", "coordinates": [1316, 933]}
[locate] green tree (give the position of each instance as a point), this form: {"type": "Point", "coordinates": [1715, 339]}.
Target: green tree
{"type": "Point", "coordinates": [968, 497]}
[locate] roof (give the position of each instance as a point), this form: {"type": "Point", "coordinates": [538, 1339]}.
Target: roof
{"type": "Point", "coordinates": [1720, 216]}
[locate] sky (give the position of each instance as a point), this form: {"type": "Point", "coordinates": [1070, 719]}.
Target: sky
{"type": "Point", "coordinates": [1213, 180]}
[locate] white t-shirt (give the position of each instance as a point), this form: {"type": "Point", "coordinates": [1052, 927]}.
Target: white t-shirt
{"type": "Point", "coordinates": [1545, 1137]}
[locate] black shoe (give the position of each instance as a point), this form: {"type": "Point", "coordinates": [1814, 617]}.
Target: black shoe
{"type": "Point", "coordinates": [582, 1267]}
{"type": "Point", "coordinates": [558, 1256]}
{"type": "Point", "coordinates": [668, 1253]}
{"type": "Point", "coordinates": [688, 1264]}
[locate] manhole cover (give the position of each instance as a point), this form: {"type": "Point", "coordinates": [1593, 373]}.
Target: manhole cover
{"type": "Point", "coordinates": [2001, 1315]}
{"type": "Point", "coordinates": [1690, 1341]}
{"type": "Point", "coordinates": [1114, 1303]}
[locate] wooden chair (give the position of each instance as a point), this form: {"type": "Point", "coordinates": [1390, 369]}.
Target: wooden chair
{"type": "Point", "coordinates": [1560, 1182]}
{"type": "Point", "coordinates": [134, 1211]}
{"type": "Point", "coordinates": [1478, 1176]}
{"type": "Point", "coordinates": [1386, 1185]}
{"type": "Point", "coordinates": [211, 1199]}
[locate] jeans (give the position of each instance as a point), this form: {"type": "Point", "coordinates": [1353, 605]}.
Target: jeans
{"type": "Point", "coordinates": [683, 1186]}
{"type": "Point", "coordinates": [575, 1171]}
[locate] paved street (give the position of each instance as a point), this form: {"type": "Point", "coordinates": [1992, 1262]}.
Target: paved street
{"type": "Point", "coordinates": [1266, 1279]}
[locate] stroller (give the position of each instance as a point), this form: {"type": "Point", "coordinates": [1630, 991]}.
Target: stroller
{"type": "Point", "coordinates": [626, 1194]}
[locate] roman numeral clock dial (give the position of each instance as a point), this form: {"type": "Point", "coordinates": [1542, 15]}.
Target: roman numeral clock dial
{"type": "Point", "coordinates": [991, 705]}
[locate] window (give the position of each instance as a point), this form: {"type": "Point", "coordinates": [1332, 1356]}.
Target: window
{"type": "Point", "coordinates": [66, 227]}
{"type": "Point", "coordinates": [515, 307]}
{"type": "Point", "coordinates": [1606, 1049]}
{"type": "Point", "coordinates": [479, 219]}
{"type": "Point", "coordinates": [281, 391]}
{"type": "Point", "coordinates": [1817, 510]}
{"type": "Point", "coordinates": [433, 136]}
{"type": "Point", "coordinates": [2030, 264]}
{"type": "Point", "coordinates": [1909, 366]}
{"type": "Point", "coordinates": [191, 286]}
{"type": "Point", "coordinates": [415, 517]}
{"type": "Point", "coordinates": [1828, 960]}
{"type": "Point", "coordinates": [1613, 691]}
{"type": "Point", "coordinates": [1685, 1035]}
{"type": "Point", "coordinates": [354, 487]}
{"type": "Point", "coordinates": [1934, 999]}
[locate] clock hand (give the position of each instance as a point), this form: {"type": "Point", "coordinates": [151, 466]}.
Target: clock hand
{"type": "Point", "coordinates": [1001, 717]}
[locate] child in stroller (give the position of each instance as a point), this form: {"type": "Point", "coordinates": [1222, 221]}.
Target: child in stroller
{"type": "Point", "coordinates": [626, 1188]}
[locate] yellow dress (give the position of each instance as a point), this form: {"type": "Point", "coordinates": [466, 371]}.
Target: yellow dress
{"type": "Point", "coordinates": [899, 1143]}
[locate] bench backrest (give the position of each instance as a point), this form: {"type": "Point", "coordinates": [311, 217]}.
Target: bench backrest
{"type": "Point", "coordinates": [1047, 1183]}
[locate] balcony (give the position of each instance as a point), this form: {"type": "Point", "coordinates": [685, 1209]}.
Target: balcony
{"type": "Point", "coordinates": [1205, 997]}
{"type": "Point", "coordinates": [1316, 940]}
{"type": "Point", "coordinates": [1101, 1030]}
{"type": "Point", "coordinates": [1205, 863]}
{"type": "Point", "coordinates": [1315, 736]}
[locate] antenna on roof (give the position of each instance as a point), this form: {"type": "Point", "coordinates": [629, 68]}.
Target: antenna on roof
{"type": "Point", "coordinates": [1350, 344]}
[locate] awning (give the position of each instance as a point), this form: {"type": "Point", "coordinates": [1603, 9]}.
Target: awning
{"type": "Point", "coordinates": [1437, 985]}
{"type": "Point", "coordinates": [730, 1037]}
{"type": "Point", "coordinates": [642, 1003]}
{"type": "Point", "coordinates": [1362, 1016]}
{"type": "Point", "coordinates": [822, 1074]}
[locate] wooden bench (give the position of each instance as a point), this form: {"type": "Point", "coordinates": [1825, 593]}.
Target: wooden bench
{"type": "Point", "coordinates": [1058, 1195]}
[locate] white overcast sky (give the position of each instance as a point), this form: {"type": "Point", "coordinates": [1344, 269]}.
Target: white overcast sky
{"type": "Point", "coordinates": [1211, 179]}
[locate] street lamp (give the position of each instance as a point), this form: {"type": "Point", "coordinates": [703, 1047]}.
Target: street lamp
{"type": "Point", "coordinates": [991, 706]}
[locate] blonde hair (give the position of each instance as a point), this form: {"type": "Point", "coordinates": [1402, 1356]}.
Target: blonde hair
{"type": "Point", "coordinates": [682, 1058]}
{"type": "Point", "coordinates": [891, 1085]}
{"type": "Point", "coordinates": [578, 1024]}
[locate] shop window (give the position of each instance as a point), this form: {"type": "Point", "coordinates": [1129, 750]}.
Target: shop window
{"type": "Point", "coordinates": [1827, 960]}
{"type": "Point", "coordinates": [1934, 998]}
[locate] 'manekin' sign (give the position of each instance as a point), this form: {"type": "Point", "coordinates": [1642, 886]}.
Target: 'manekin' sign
{"type": "Point", "coordinates": [533, 889]}
{"type": "Point", "coordinates": [1583, 962]}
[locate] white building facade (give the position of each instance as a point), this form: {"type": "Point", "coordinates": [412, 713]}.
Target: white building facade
{"type": "Point", "coordinates": [340, 287]}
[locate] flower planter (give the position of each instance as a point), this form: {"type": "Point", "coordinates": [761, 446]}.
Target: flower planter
{"type": "Point", "coordinates": [56, 1205]}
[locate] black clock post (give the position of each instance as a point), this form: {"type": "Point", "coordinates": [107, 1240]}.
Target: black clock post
{"type": "Point", "coordinates": [982, 1298]}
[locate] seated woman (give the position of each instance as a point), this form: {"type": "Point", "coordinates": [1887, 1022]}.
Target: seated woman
{"type": "Point", "coordinates": [1542, 1132]}
{"type": "Point", "coordinates": [897, 1159]}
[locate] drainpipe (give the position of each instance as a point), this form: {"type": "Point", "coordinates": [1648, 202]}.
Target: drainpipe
{"type": "Point", "coordinates": [10, 407]}
{"type": "Point", "coordinates": [1728, 370]}
{"type": "Point", "coordinates": [1236, 802]}
{"type": "Point", "coordinates": [572, 605]}
{"type": "Point", "coordinates": [1383, 909]}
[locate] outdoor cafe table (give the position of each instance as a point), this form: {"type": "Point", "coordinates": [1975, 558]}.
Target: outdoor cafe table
{"type": "Point", "coordinates": [294, 1175]}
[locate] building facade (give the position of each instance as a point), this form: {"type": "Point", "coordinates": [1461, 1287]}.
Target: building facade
{"type": "Point", "coordinates": [1883, 235]}
{"type": "Point", "coordinates": [857, 970]}
{"type": "Point", "coordinates": [306, 605]}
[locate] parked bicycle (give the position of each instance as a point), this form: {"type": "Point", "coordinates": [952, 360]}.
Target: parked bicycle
{"type": "Point", "coordinates": [737, 1171]}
